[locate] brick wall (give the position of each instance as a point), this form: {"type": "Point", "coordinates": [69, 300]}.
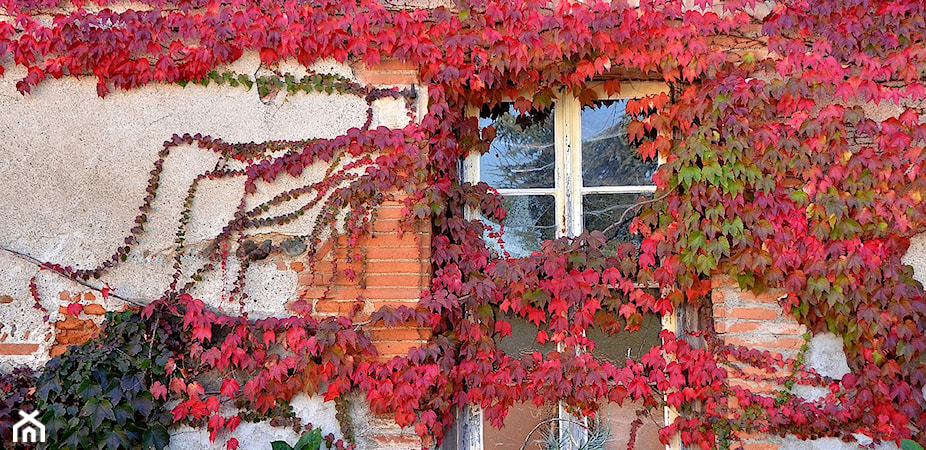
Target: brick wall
{"type": "Point", "coordinates": [389, 267]}
{"type": "Point", "coordinates": [756, 321]}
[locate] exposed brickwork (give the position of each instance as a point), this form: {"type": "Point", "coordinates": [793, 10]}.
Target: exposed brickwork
{"type": "Point", "coordinates": [389, 436]}
{"type": "Point", "coordinates": [387, 73]}
{"type": "Point", "coordinates": [755, 321]}
{"type": "Point", "coordinates": [390, 267]}
{"type": "Point", "coordinates": [76, 329]}
{"type": "Point", "coordinates": [18, 349]}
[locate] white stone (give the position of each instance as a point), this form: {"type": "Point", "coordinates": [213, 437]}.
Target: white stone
{"type": "Point", "coordinates": [259, 435]}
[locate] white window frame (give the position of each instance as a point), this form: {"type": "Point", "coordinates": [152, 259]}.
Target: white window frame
{"type": "Point", "coordinates": [568, 192]}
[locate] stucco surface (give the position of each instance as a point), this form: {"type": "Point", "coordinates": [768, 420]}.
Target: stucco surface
{"type": "Point", "coordinates": [74, 168]}
{"type": "Point", "coordinates": [73, 172]}
{"type": "Point", "coordinates": [259, 435]}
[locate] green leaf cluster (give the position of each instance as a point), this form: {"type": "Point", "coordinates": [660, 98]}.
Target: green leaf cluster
{"type": "Point", "coordinates": [96, 395]}
{"type": "Point", "coordinates": [310, 440]}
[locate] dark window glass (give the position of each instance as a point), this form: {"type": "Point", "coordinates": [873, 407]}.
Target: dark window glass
{"type": "Point", "coordinates": [530, 220]}
{"type": "Point", "coordinates": [523, 153]}
{"type": "Point", "coordinates": [603, 212]}
{"type": "Point", "coordinates": [523, 338]}
{"type": "Point", "coordinates": [618, 419]}
{"type": "Point", "coordinates": [608, 159]}
{"type": "Point", "coordinates": [521, 419]}
{"type": "Point", "coordinates": [619, 346]}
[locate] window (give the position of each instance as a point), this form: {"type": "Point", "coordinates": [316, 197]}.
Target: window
{"type": "Point", "coordinates": [564, 170]}
{"type": "Point", "coordinates": [560, 172]}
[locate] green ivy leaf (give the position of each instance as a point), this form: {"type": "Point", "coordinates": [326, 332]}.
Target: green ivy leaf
{"type": "Point", "coordinates": [689, 174]}
{"type": "Point", "coordinates": [280, 445]}
{"type": "Point", "coordinates": [311, 440]}
{"type": "Point", "coordinates": [156, 437]}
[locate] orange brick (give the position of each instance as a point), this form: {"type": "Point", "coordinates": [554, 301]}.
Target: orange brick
{"type": "Point", "coordinates": [394, 64]}
{"type": "Point", "coordinates": [392, 240]}
{"type": "Point", "coordinates": [330, 306]}
{"type": "Point", "coordinates": [765, 297]}
{"type": "Point", "coordinates": [313, 292]}
{"type": "Point", "coordinates": [297, 266]}
{"type": "Point", "coordinates": [742, 327]}
{"type": "Point", "coordinates": [94, 309]}
{"type": "Point", "coordinates": [767, 342]}
{"type": "Point", "coordinates": [391, 280]}
{"type": "Point", "coordinates": [57, 350]}
{"type": "Point", "coordinates": [382, 293]}
{"type": "Point", "coordinates": [395, 226]}
{"type": "Point", "coordinates": [386, 211]}
{"type": "Point", "coordinates": [785, 328]}
{"type": "Point", "coordinates": [64, 295]}
{"type": "Point", "coordinates": [721, 281]}
{"type": "Point", "coordinates": [79, 338]}
{"type": "Point", "coordinates": [400, 334]}
{"type": "Point", "coordinates": [395, 348]}
{"type": "Point", "coordinates": [398, 440]}
{"type": "Point", "coordinates": [752, 313]}
{"type": "Point", "coordinates": [71, 323]}
{"type": "Point", "coordinates": [759, 446]}
{"type": "Point", "coordinates": [18, 349]}
{"type": "Point", "coordinates": [410, 252]}
{"type": "Point", "coordinates": [407, 267]}
{"type": "Point", "coordinates": [759, 388]}
{"type": "Point", "coordinates": [88, 296]}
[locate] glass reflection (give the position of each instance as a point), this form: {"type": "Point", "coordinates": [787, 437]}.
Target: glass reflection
{"type": "Point", "coordinates": [603, 212]}
{"type": "Point", "coordinates": [530, 221]}
{"type": "Point", "coordinates": [608, 158]}
{"type": "Point", "coordinates": [523, 152]}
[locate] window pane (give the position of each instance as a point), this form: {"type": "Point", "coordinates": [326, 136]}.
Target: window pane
{"type": "Point", "coordinates": [619, 346]}
{"type": "Point", "coordinates": [523, 338]}
{"type": "Point", "coordinates": [523, 152]}
{"type": "Point", "coordinates": [608, 159]}
{"type": "Point", "coordinates": [617, 419]}
{"type": "Point", "coordinates": [530, 220]}
{"type": "Point", "coordinates": [603, 212]}
{"type": "Point", "coordinates": [522, 418]}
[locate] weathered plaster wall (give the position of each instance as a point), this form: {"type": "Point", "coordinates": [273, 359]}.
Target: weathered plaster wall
{"type": "Point", "coordinates": [757, 321]}
{"type": "Point", "coordinates": [74, 169]}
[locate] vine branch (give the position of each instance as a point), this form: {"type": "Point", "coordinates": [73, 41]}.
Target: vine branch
{"type": "Point", "coordinates": [87, 284]}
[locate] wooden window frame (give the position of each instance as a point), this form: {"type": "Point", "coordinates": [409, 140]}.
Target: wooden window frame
{"type": "Point", "coordinates": [568, 192]}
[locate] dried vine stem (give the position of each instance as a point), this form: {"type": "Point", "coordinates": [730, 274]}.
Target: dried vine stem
{"type": "Point", "coordinates": [70, 277]}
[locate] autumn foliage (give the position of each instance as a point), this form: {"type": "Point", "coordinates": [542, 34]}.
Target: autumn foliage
{"type": "Point", "coordinates": [777, 172]}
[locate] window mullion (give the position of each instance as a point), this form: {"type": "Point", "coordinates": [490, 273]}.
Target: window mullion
{"type": "Point", "coordinates": [560, 116]}
{"type": "Point", "coordinates": [572, 429]}
{"type": "Point", "coordinates": [619, 189]}
{"type": "Point", "coordinates": [572, 166]}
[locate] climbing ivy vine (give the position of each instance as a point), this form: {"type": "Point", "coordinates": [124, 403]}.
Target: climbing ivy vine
{"type": "Point", "coordinates": [776, 173]}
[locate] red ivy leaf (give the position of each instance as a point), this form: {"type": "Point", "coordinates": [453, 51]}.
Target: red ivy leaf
{"type": "Point", "coordinates": [158, 390]}
{"type": "Point", "coordinates": [75, 309]}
